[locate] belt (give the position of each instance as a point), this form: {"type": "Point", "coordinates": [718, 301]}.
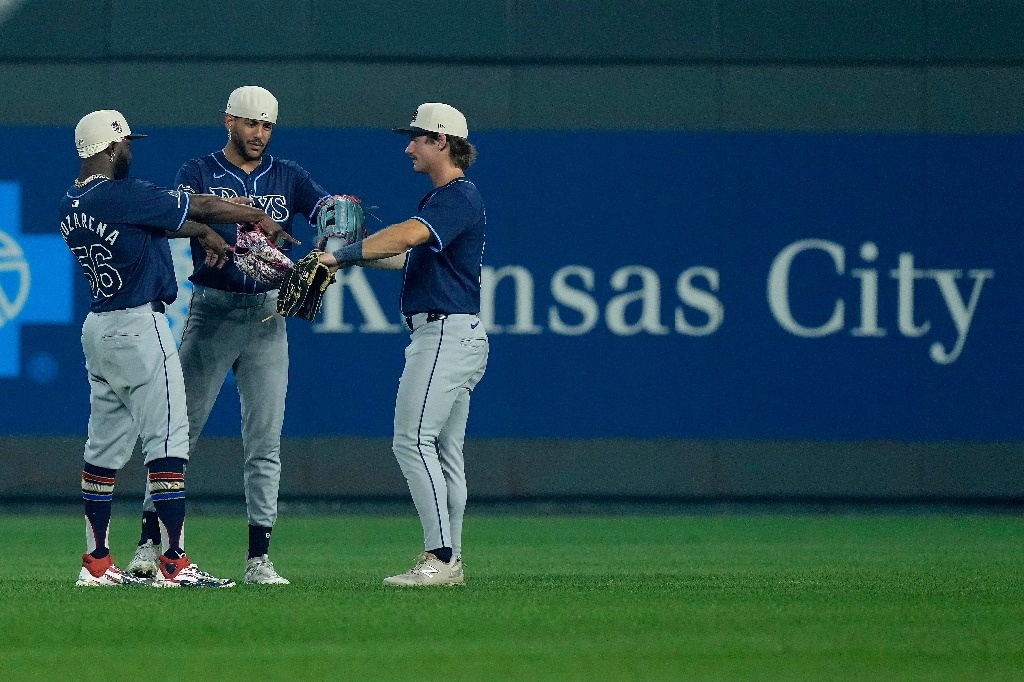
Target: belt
{"type": "Point", "coordinates": [234, 299]}
{"type": "Point", "coordinates": [157, 306]}
{"type": "Point", "coordinates": [429, 317]}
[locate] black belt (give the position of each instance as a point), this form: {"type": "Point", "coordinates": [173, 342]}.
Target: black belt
{"type": "Point", "coordinates": [157, 306]}
{"type": "Point", "coordinates": [431, 317]}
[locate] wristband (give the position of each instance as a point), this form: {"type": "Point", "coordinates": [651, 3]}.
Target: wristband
{"type": "Point", "coordinates": [349, 253]}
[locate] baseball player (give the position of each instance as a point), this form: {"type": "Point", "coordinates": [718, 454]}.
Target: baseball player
{"type": "Point", "coordinates": [232, 324]}
{"type": "Point", "coordinates": [442, 247]}
{"type": "Point", "coordinates": [117, 229]}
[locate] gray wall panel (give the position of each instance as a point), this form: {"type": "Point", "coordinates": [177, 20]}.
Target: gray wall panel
{"type": "Point", "coordinates": [979, 99]}
{"type": "Point", "coordinates": [814, 99]}
{"type": "Point", "coordinates": [615, 97]}
{"type": "Point", "coordinates": [818, 65]}
{"type": "Point", "coordinates": [993, 29]}
{"type": "Point", "coordinates": [336, 468]}
{"type": "Point", "coordinates": [413, 29]}
{"type": "Point", "coordinates": [376, 95]}
{"type": "Point", "coordinates": [648, 29]}
{"type": "Point", "coordinates": [52, 95]}
{"type": "Point", "coordinates": [823, 29]}
{"type": "Point", "coordinates": [204, 29]}
{"type": "Point", "coordinates": [52, 28]}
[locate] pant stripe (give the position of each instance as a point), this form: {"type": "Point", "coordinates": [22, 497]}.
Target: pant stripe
{"type": "Point", "coordinates": [419, 436]}
{"type": "Point", "coordinates": [167, 389]}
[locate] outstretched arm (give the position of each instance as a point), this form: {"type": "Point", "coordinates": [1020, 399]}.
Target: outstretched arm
{"type": "Point", "coordinates": [208, 208]}
{"type": "Point", "coordinates": [391, 241]}
{"type": "Point", "coordinates": [217, 249]}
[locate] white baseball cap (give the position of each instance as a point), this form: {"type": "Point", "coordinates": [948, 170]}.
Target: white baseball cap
{"type": "Point", "coordinates": [97, 130]}
{"type": "Point", "coordinates": [435, 117]}
{"type": "Point", "coordinates": [252, 101]}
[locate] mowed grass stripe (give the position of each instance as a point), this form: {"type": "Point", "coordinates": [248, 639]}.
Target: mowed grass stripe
{"type": "Point", "coordinates": [632, 597]}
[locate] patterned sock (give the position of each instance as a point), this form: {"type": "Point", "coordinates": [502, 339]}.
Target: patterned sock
{"type": "Point", "coordinates": [97, 494]}
{"type": "Point", "coordinates": [259, 541]}
{"type": "Point", "coordinates": [167, 488]}
{"type": "Point", "coordinates": [150, 528]}
{"type": "Point", "coordinates": [442, 553]}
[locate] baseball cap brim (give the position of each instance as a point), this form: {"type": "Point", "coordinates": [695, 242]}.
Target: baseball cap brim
{"type": "Point", "coordinates": [413, 132]}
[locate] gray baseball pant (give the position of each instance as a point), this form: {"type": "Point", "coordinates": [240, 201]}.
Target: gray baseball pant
{"type": "Point", "coordinates": [136, 388]}
{"type": "Point", "coordinates": [444, 361]}
{"type": "Point", "coordinates": [226, 331]}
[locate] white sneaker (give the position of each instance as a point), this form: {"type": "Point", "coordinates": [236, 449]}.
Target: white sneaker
{"type": "Point", "coordinates": [183, 573]}
{"type": "Point", "coordinates": [429, 571]}
{"type": "Point", "coordinates": [103, 573]}
{"type": "Point", "coordinates": [260, 571]}
{"type": "Point", "coordinates": [144, 563]}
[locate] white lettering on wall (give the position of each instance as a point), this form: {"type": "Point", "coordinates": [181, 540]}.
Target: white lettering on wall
{"type": "Point", "coordinates": [907, 276]}
{"type": "Point", "coordinates": [648, 296]}
{"type": "Point", "coordinates": [961, 314]}
{"type": "Point", "coordinates": [332, 315]}
{"type": "Point", "coordinates": [630, 301]}
{"type": "Point", "coordinates": [700, 300]}
{"type": "Point", "coordinates": [779, 288]}
{"type": "Point", "coordinates": [574, 299]}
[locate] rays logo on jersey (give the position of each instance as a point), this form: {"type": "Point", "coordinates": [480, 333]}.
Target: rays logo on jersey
{"type": "Point", "coordinates": [274, 205]}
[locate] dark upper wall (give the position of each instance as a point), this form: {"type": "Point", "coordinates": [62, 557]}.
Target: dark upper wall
{"type": "Point", "coordinates": [885, 65]}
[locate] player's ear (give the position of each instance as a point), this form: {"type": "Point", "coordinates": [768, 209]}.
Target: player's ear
{"type": "Point", "coordinates": [228, 119]}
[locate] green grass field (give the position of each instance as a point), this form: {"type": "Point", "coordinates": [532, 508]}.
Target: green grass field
{"type": "Point", "coordinates": [755, 597]}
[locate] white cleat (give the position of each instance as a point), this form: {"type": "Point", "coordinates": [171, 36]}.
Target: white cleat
{"type": "Point", "coordinates": [428, 572]}
{"type": "Point", "coordinates": [183, 573]}
{"type": "Point", "coordinates": [146, 560]}
{"type": "Point", "coordinates": [260, 571]}
{"type": "Point", "coordinates": [103, 573]}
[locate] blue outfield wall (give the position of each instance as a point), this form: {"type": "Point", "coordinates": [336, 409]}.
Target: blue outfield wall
{"type": "Point", "coordinates": [637, 285]}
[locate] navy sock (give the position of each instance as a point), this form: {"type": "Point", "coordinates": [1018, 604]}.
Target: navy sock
{"type": "Point", "coordinates": [150, 528]}
{"type": "Point", "coordinates": [442, 553]}
{"type": "Point", "coordinates": [259, 540]}
{"type": "Point", "coordinates": [174, 553]}
{"type": "Point", "coordinates": [97, 494]}
{"type": "Point", "coordinates": [167, 488]}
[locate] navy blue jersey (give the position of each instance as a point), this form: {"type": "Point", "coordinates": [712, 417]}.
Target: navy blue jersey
{"type": "Point", "coordinates": [443, 274]}
{"type": "Point", "coordinates": [282, 189]}
{"type": "Point", "coordinates": [117, 231]}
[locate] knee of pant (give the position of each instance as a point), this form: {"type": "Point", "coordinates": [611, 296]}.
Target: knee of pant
{"type": "Point", "coordinates": [456, 497]}
{"type": "Point", "coordinates": [404, 442]}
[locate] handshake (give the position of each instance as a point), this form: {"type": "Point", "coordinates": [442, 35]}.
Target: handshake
{"type": "Point", "coordinates": [302, 283]}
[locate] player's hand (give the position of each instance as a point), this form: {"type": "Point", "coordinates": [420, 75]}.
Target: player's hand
{"type": "Point", "coordinates": [330, 261]}
{"type": "Point", "coordinates": [275, 233]}
{"type": "Point", "coordinates": [217, 249]}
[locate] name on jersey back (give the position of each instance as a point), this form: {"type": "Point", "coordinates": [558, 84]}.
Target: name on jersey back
{"type": "Point", "coordinates": [84, 221]}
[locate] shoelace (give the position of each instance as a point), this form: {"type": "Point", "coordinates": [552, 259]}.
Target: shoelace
{"type": "Point", "coordinates": [264, 566]}
{"type": "Point", "coordinates": [197, 572]}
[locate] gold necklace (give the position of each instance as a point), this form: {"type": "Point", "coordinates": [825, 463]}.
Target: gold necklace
{"type": "Point", "coordinates": [83, 183]}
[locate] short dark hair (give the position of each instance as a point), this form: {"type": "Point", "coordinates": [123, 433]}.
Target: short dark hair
{"type": "Point", "coordinates": [463, 152]}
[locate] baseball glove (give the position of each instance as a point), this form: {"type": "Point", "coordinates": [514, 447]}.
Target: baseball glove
{"type": "Point", "coordinates": [340, 216]}
{"type": "Point", "coordinates": [302, 293]}
{"type": "Point", "coordinates": [256, 257]}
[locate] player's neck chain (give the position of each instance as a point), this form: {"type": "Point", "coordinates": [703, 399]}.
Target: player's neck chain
{"type": "Point", "coordinates": [83, 183]}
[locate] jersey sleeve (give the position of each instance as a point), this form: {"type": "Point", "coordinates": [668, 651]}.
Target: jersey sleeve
{"type": "Point", "coordinates": [158, 207]}
{"type": "Point", "coordinates": [446, 215]}
{"type": "Point", "coordinates": [189, 178]}
{"type": "Point", "coordinates": [308, 194]}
